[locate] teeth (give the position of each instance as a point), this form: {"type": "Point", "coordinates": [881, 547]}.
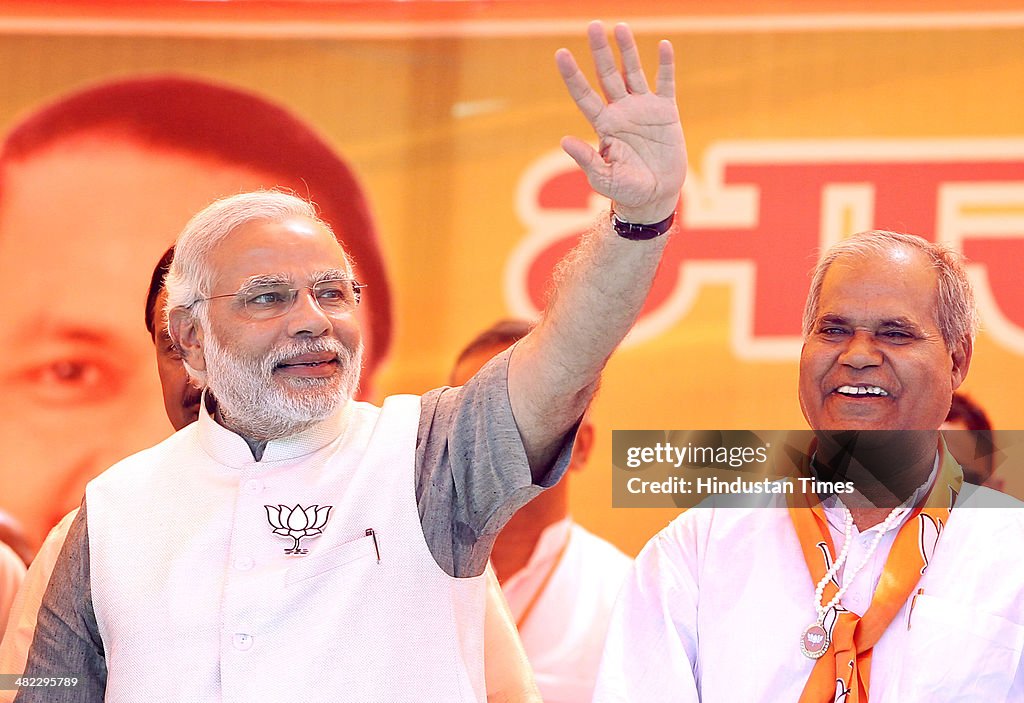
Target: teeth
{"type": "Point", "coordinates": [862, 390]}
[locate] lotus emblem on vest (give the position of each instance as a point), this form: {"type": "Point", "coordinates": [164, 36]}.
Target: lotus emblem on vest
{"type": "Point", "coordinates": [297, 522]}
{"type": "Point", "coordinates": [815, 639]}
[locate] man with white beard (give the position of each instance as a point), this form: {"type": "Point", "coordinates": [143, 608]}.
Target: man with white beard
{"type": "Point", "coordinates": [508, 674]}
{"type": "Point", "coordinates": [297, 545]}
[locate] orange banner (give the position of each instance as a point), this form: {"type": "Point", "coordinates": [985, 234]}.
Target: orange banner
{"type": "Point", "coordinates": [802, 129]}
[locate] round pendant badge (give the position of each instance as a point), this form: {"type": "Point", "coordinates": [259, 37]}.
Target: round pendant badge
{"type": "Point", "coordinates": [814, 641]}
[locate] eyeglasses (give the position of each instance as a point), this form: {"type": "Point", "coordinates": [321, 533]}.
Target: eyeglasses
{"type": "Point", "coordinates": [336, 296]}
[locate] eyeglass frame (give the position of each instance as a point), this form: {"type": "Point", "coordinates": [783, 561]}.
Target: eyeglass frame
{"type": "Point", "coordinates": [357, 290]}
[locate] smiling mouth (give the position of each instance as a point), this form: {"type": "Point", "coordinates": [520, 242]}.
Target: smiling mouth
{"type": "Point", "coordinates": [308, 364]}
{"type": "Point", "coordinates": [311, 360]}
{"type": "Point", "coordinates": [862, 392]}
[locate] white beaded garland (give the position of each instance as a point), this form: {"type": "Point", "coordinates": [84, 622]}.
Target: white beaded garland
{"type": "Point", "coordinates": [819, 591]}
{"type": "Point", "coordinates": [815, 649]}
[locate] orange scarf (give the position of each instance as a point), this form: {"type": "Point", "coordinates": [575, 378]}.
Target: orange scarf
{"type": "Point", "coordinates": [842, 674]}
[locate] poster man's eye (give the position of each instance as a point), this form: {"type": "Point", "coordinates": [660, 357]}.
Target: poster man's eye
{"type": "Point", "coordinates": [67, 380]}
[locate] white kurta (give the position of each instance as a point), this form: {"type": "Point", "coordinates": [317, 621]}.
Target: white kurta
{"type": "Point", "coordinates": [715, 606]}
{"type": "Point", "coordinates": [565, 630]}
{"type": "Point", "coordinates": [12, 571]}
{"type": "Point", "coordinates": [25, 608]}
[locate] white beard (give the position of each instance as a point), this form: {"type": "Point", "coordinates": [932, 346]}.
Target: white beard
{"type": "Point", "coordinates": [258, 405]}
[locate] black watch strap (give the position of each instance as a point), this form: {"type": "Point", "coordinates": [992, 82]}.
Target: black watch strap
{"type": "Point", "coordinates": [640, 233]}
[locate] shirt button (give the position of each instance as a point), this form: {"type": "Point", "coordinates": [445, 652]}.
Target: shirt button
{"type": "Point", "coordinates": [243, 642]}
{"type": "Point", "coordinates": [252, 486]}
{"type": "Point", "coordinates": [244, 563]}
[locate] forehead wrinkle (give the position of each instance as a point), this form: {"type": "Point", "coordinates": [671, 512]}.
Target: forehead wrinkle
{"type": "Point", "coordinates": [899, 255]}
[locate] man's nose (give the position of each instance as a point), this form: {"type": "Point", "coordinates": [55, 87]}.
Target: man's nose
{"type": "Point", "coordinates": [306, 318]}
{"type": "Point", "coordinates": [861, 351]}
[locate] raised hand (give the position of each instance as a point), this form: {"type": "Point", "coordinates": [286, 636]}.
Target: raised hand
{"type": "Point", "coordinates": [641, 164]}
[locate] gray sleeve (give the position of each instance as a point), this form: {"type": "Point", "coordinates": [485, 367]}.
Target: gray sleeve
{"type": "Point", "coordinates": [472, 474]}
{"type": "Point", "coordinates": [67, 641]}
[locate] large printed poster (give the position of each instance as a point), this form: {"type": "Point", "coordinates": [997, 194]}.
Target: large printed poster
{"type": "Point", "coordinates": [799, 134]}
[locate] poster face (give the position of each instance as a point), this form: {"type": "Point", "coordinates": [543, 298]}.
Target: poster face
{"type": "Point", "coordinates": [798, 136]}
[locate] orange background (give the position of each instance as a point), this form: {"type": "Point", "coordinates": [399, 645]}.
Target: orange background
{"type": "Point", "coordinates": [442, 107]}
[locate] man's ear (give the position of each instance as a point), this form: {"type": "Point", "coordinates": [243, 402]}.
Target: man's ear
{"type": "Point", "coordinates": [961, 356]}
{"type": "Point", "coordinates": [584, 444]}
{"type": "Point", "coordinates": [187, 337]}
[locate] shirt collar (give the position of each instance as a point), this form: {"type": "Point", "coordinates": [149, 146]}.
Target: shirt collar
{"type": "Point", "coordinates": [228, 448]}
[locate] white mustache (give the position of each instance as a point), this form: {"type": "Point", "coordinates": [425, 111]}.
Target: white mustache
{"type": "Point", "coordinates": [345, 354]}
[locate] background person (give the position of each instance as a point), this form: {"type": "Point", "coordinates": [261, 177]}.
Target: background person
{"type": "Point", "coordinates": [972, 441]}
{"type": "Point", "coordinates": [559, 579]}
{"type": "Point", "coordinates": [93, 188]}
{"type": "Point", "coordinates": [12, 572]}
{"type": "Point", "coordinates": [12, 534]}
{"type": "Point", "coordinates": [181, 398]}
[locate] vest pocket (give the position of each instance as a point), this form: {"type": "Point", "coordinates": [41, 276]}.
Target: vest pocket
{"type": "Point", "coordinates": [333, 558]}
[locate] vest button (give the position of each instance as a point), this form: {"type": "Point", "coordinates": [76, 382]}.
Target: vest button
{"type": "Point", "coordinates": [244, 563]}
{"type": "Point", "coordinates": [243, 642]}
{"type": "Point", "coordinates": [252, 486]}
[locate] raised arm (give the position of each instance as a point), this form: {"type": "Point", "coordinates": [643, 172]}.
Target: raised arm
{"type": "Point", "coordinates": [602, 284]}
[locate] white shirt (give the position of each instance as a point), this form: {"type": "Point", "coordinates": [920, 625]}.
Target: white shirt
{"type": "Point", "coordinates": [21, 623]}
{"type": "Point", "coordinates": [564, 631]}
{"type": "Point", "coordinates": [716, 604]}
{"type": "Point", "coordinates": [12, 571]}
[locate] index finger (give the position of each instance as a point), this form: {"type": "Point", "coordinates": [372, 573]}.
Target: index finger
{"type": "Point", "coordinates": [587, 100]}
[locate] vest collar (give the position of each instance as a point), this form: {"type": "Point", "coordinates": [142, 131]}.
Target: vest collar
{"type": "Point", "coordinates": [228, 448]}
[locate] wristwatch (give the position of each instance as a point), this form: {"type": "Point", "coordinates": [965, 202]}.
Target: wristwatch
{"type": "Point", "coordinates": [639, 233]}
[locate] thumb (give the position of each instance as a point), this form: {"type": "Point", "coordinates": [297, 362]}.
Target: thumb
{"type": "Point", "coordinates": [584, 155]}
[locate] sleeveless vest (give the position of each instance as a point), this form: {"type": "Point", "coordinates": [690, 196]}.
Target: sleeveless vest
{"type": "Point", "coordinates": [304, 577]}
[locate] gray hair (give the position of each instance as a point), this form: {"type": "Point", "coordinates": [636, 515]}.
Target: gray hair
{"type": "Point", "coordinates": [190, 278]}
{"type": "Point", "coordinates": [955, 311]}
